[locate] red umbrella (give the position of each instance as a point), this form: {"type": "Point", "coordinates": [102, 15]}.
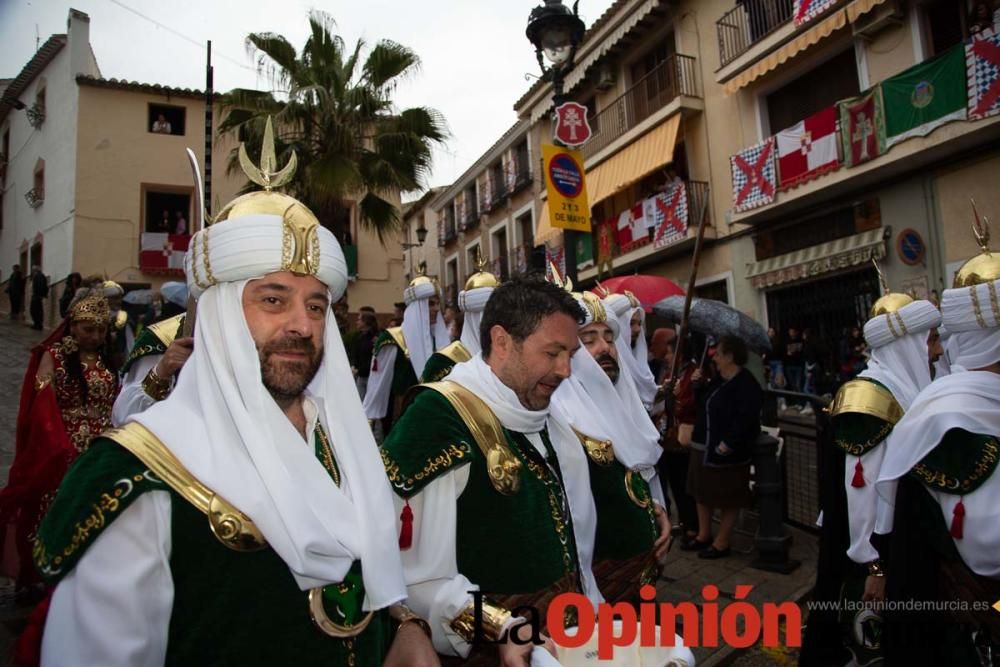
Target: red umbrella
{"type": "Point", "coordinates": [647, 289]}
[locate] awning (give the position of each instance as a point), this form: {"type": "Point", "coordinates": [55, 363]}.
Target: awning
{"type": "Point", "coordinates": [808, 38]}
{"type": "Point", "coordinates": [824, 258]}
{"type": "Point", "coordinates": [859, 7]}
{"type": "Point", "coordinates": [544, 231]}
{"type": "Point", "coordinates": [651, 151]}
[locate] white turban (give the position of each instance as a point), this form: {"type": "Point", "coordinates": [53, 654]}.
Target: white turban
{"type": "Point", "coordinates": [972, 315]}
{"type": "Point", "coordinates": [421, 341]}
{"type": "Point", "coordinates": [899, 356]}
{"type": "Point", "coordinates": [636, 360]}
{"type": "Point", "coordinates": [251, 246]}
{"type": "Point", "coordinates": [473, 303]}
{"type": "Point", "coordinates": [112, 289]}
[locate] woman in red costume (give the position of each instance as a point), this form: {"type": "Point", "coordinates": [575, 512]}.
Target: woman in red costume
{"type": "Point", "coordinates": [66, 400]}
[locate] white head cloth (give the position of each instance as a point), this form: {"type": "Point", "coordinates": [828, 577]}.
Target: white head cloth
{"type": "Point", "coordinates": [112, 289]}
{"type": "Point", "coordinates": [477, 376]}
{"type": "Point", "coordinates": [970, 401]}
{"type": "Point", "coordinates": [634, 359]}
{"type": "Point", "coordinates": [620, 413]}
{"type": "Point", "coordinates": [420, 341]}
{"type": "Point", "coordinates": [972, 315]}
{"type": "Point", "coordinates": [226, 429]}
{"type": "Point", "coordinates": [899, 356]}
{"type": "Point", "coordinates": [473, 303]}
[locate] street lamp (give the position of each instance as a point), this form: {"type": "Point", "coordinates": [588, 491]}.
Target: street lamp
{"type": "Point", "coordinates": [556, 32]}
{"type": "Point", "coordinates": [421, 237]}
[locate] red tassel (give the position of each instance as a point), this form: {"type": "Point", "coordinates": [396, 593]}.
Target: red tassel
{"type": "Point", "coordinates": [958, 520]}
{"type": "Point", "coordinates": [859, 477]}
{"type": "Point", "coordinates": [28, 648]}
{"type": "Point", "coordinates": [406, 532]}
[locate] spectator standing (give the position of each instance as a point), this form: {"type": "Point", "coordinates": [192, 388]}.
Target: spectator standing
{"type": "Point", "coordinates": [15, 291]}
{"type": "Point", "coordinates": [793, 360]}
{"type": "Point", "coordinates": [164, 224]}
{"type": "Point", "coordinates": [180, 224]}
{"type": "Point", "coordinates": [73, 282]}
{"type": "Point", "coordinates": [39, 292]}
{"type": "Point", "coordinates": [364, 344]}
{"type": "Point", "coordinates": [774, 361]}
{"type": "Point", "coordinates": [676, 425]}
{"type": "Point", "coordinates": [812, 357]}
{"type": "Point", "coordinates": [852, 355]}
{"type": "Point", "coordinates": [727, 426]}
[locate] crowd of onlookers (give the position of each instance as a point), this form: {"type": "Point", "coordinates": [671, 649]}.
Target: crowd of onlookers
{"type": "Point", "coordinates": [799, 361]}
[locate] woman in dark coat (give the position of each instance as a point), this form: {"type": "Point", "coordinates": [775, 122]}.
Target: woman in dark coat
{"type": "Point", "coordinates": [727, 427]}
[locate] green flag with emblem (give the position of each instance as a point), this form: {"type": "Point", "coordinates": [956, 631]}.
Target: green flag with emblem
{"type": "Point", "coordinates": [584, 250]}
{"type": "Point", "coordinates": [925, 97]}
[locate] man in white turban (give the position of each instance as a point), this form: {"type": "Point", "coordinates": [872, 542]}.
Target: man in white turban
{"type": "Point", "coordinates": [245, 519]}
{"type": "Point", "coordinates": [863, 414]}
{"type": "Point", "coordinates": [400, 354]}
{"type": "Point", "coordinates": [156, 358]}
{"type": "Point", "coordinates": [939, 477]}
{"type": "Point", "coordinates": [632, 349]}
{"type": "Point", "coordinates": [472, 301]}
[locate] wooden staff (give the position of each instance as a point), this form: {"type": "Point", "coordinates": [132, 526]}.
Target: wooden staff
{"type": "Point", "coordinates": [682, 334]}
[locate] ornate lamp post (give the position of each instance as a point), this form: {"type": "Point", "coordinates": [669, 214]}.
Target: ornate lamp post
{"type": "Point", "coordinates": [421, 237]}
{"type": "Point", "coordinates": [556, 32]}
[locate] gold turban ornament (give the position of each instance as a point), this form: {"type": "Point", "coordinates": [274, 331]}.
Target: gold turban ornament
{"type": "Point", "coordinates": [890, 302]}
{"type": "Point", "coordinates": [984, 267]}
{"type": "Point", "coordinates": [482, 277]}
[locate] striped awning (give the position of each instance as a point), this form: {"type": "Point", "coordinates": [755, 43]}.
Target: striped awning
{"type": "Point", "coordinates": [651, 151]}
{"type": "Point", "coordinates": [810, 262]}
{"type": "Point", "coordinates": [544, 231]}
{"type": "Point", "coordinates": [810, 37]}
{"type": "Point", "coordinates": [859, 7]}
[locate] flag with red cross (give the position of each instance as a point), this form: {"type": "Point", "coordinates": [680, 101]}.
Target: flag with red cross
{"type": "Point", "coordinates": [982, 59]}
{"type": "Point", "coordinates": [754, 177]}
{"type": "Point", "coordinates": [807, 10]}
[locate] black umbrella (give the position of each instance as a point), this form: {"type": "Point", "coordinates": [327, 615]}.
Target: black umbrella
{"type": "Point", "coordinates": [714, 318]}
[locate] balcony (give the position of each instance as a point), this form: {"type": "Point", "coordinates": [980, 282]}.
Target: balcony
{"type": "Point", "coordinates": [471, 219]}
{"type": "Point", "coordinates": [448, 232]}
{"type": "Point", "coordinates": [673, 78]}
{"type": "Point", "coordinates": [500, 267]}
{"type": "Point", "coordinates": [749, 23]}
{"type": "Point", "coordinates": [499, 197]}
{"type": "Point", "coordinates": [36, 115]}
{"type": "Point", "coordinates": [697, 193]}
{"type": "Point", "coordinates": [522, 179]}
{"type": "Point", "coordinates": [522, 257]}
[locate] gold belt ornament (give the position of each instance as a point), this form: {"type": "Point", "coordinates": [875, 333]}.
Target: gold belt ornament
{"type": "Point", "coordinates": [633, 496]}
{"type": "Point", "coordinates": [317, 610]}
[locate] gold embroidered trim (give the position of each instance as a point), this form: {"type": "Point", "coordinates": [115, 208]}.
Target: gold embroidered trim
{"type": "Point", "coordinates": [209, 276]}
{"type": "Point", "coordinates": [456, 352]}
{"type": "Point", "coordinates": [950, 484]}
{"type": "Point", "coordinates": [994, 301]}
{"type": "Point", "coordinates": [976, 307]}
{"type": "Point", "coordinates": [502, 466]}
{"type": "Point", "coordinates": [442, 461]}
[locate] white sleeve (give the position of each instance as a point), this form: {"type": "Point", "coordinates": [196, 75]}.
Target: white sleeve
{"type": "Point", "coordinates": [652, 477]}
{"type": "Point", "coordinates": [114, 607]}
{"type": "Point", "coordinates": [863, 503]}
{"type": "Point", "coordinates": [376, 403]}
{"type": "Point", "coordinates": [435, 588]}
{"type": "Point", "coordinates": [133, 399]}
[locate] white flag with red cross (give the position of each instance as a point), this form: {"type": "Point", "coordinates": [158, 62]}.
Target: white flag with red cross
{"type": "Point", "coordinates": [808, 148]}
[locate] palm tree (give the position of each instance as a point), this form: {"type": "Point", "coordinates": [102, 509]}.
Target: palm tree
{"type": "Point", "coordinates": [336, 112]}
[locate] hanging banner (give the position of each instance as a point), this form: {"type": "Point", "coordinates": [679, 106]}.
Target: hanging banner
{"type": "Point", "coordinates": [566, 186]}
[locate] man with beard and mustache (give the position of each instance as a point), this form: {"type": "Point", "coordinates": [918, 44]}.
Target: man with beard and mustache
{"type": "Point", "coordinates": [622, 448]}
{"type": "Point", "coordinates": [493, 490]}
{"type": "Point", "coordinates": [245, 519]}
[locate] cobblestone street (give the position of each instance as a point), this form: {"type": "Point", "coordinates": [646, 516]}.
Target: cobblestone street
{"type": "Point", "coordinates": [16, 341]}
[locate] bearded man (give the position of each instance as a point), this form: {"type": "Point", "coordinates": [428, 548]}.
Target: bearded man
{"type": "Point", "coordinates": [245, 519]}
{"type": "Point", "coordinates": [492, 487]}
{"type": "Point", "coordinates": [622, 448]}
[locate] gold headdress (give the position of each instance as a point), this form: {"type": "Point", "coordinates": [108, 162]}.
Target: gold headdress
{"type": "Point", "coordinates": [91, 308]}
{"type": "Point", "coordinates": [590, 301]}
{"type": "Point", "coordinates": [984, 267]}
{"type": "Point", "coordinates": [300, 241]}
{"type": "Point", "coordinates": [482, 277]}
{"type": "Point", "coordinates": [890, 302]}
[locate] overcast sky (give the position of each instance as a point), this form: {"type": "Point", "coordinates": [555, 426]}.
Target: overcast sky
{"type": "Point", "coordinates": [474, 53]}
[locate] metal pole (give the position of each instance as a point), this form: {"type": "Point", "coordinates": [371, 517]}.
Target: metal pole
{"type": "Point", "coordinates": [569, 235]}
{"type": "Point", "coordinates": [209, 94]}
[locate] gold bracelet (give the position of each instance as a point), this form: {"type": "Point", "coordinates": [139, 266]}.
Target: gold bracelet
{"type": "Point", "coordinates": [403, 614]}
{"type": "Point", "coordinates": [156, 387]}
{"type": "Point", "coordinates": [41, 382]}
{"type": "Point", "coordinates": [875, 568]}
{"type": "Point", "coordinates": [494, 619]}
